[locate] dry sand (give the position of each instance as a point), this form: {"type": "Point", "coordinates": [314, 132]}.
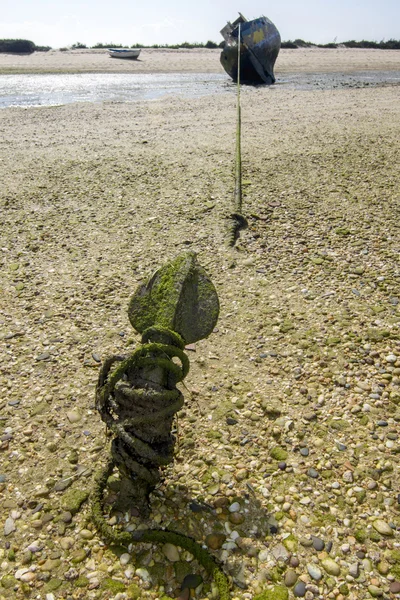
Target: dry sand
{"type": "Point", "coordinates": [293, 416]}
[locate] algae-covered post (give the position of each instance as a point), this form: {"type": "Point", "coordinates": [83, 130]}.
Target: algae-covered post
{"type": "Point", "coordinates": [137, 396]}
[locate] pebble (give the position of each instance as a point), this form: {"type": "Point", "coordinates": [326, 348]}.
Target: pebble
{"type": "Point", "coordinates": [354, 570]}
{"type": "Point", "coordinates": [317, 543]}
{"type": "Point", "coordinates": [74, 416]}
{"type": "Point", "coordinates": [124, 558]}
{"type": "Point", "coordinates": [304, 451]}
{"type": "Point", "coordinates": [143, 574]}
{"type": "Point", "coordinates": [9, 526]}
{"type": "Point", "coordinates": [382, 527]}
{"type": "Point", "coordinates": [171, 552]}
{"type": "Point", "coordinates": [215, 540]}
{"type": "Point", "coordinates": [331, 566]}
{"type": "Point", "coordinates": [299, 590]}
{"type": "Point", "coordinates": [234, 507]}
{"type": "Point", "coordinates": [395, 587]}
{"type": "Point", "coordinates": [348, 477]}
{"type": "Point", "coordinates": [290, 578]}
{"type": "Point", "coordinates": [375, 591]}
{"type": "Point", "coordinates": [314, 571]}
{"type": "Point", "coordinates": [313, 473]}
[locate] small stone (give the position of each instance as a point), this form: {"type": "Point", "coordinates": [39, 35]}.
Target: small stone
{"type": "Point", "coordinates": [241, 474]}
{"type": "Point", "coordinates": [86, 534]}
{"type": "Point", "coordinates": [290, 578]}
{"type": "Point", "coordinates": [348, 477]}
{"type": "Point", "coordinates": [317, 543]}
{"type": "Point", "coordinates": [171, 552]}
{"type": "Point", "coordinates": [375, 591]}
{"type": "Point", "coordinates": [382, 527]}
{"type": "Point", "coordinates": [304, 451]}
{"type": "Point", "coordinates": [9, 526]}
{"type": "Point", "coordinates": [236, 518]}
{"type": "Point", "coordinates": [391, 358]}
{"type": "Point", "coordinates": [300, 589]}
{"type": "Point", "coordinates": [78, 556]}
{"type": "Point", "coordinates": [124, 558]}
{"type": "Point", "coordinates": [215, 540]}
{"type": "Point", "coordinates": [395, 587]}
{"type": "Point", "coordinates": [234, 507]}
{"type": "Point", "coordinates": [74, 416]}
{"type": "Point", "coordinates": [313, 473]}
{"type": "Point", "coordinates": [331, 566]}
{"type": "Point", "coordinates": [354, 570]}
{"type": "Point", "coordinates": [314, 571]}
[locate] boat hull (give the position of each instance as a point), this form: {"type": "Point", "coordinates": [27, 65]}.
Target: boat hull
{"type": "Point", "coordinates": [259, 48]}
{"type": "Point", "coordinates": [126, 53]}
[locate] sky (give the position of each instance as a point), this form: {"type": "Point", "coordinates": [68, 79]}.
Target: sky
{"type": "Point", "coordinates": [59, 23]}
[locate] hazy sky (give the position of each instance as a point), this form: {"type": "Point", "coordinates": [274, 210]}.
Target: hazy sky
{"type": "Point", "coordinates": [59, 23]}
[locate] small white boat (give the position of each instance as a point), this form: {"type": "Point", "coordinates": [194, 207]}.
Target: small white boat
{"type": "Point", "coordinates": [131, 53]}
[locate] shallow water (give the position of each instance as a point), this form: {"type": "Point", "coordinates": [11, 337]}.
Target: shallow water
{"type": "Point", "coordinates": [52, 90]}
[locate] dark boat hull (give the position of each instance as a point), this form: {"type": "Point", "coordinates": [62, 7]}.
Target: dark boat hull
{"type": "Point", "coordinates": [259, 48]}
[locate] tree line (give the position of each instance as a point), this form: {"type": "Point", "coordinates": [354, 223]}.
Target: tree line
{"type": "Point", "coordinates": [19, 46]}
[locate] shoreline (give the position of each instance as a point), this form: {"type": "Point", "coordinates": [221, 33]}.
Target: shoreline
{"type": "Point", "coordinates": [313, 60]}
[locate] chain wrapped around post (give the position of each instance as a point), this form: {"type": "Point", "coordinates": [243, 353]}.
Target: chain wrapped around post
{"type": "Point", "coordinates": [137, 397]}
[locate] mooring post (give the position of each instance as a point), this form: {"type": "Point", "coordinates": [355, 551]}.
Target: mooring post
{"type": "Point", "coordinates": [137, 396]}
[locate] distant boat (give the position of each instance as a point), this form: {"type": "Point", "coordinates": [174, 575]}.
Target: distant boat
{"type": "Point", "coordinates": [131, 53]}
{"type": "Point", "coordinates": [260, 43]}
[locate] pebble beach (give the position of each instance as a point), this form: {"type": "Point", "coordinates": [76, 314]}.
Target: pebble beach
{"type": "Point", "coordinates": [287, 456]}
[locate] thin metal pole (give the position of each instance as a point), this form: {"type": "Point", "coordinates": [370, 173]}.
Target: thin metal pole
{"type": "Point", "coordinates": [238, 170]}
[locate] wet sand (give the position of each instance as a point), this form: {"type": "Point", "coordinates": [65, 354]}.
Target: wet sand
{"type": "Point", "coordinates": [313, 60]}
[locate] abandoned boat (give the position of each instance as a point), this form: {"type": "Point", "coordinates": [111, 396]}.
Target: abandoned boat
{"type": "Point", "coordinates": [131, 53]}
{"type": "Point", "coordinates": [260, 43]}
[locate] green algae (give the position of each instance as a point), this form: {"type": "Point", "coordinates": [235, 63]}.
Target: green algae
{"type": "Point", "coordinates": [73, 500]}
{"type": "Point", "coordinates": [278, 592]}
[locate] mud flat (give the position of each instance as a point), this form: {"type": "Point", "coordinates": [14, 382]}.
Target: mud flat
{"type": "Point", "coordinates": [287, 466]}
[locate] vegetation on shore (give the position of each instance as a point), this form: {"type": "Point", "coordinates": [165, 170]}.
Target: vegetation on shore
{"type": "Point", "coordinates": [28, 47]}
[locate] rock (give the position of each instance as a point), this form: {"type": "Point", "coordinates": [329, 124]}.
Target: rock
{"type": "Point", "coordinates": [279, 552]}
{"type": "Point", "coordinates": [215, 540]}
{"type": "Point", "coordinates": [86, 534]}
{"type": "Point", "coordinates": [74, 416]}
{"type": "Point", "coordinates": [78, 556]}
{"type": "Point", "coordinates": [314, 571]}
{"type": "Point", "coordinates": [382, 527]}
{"type": "Point", "coordinates": [9, 526]}
{"type": "Point", "coordinates": [192, 581]}
{"type": "Point", "coordinates": [348, 477]}
{"type": "Point", "coordinates": [354, 570]}
{"type": "Point", "coordinates": [235, 507]}
{"type": "Point", "coordinates": [124, 558]}
{"type": "Point", "coordinates": [241, 474]}
{"type": "Point", "coordinates": [290, 578]}
{"type": "Point", "coordinates": [317, 543]}
{"type": "Point", "coordinates": [331, 566]}
{"type": "Point", "coordinates": [300, 590]}
{"type": "Point", "coordinates": [395, 587]}
{"type": "Point", "coordinates": [375, 591]}
{"type": "Point", "coordinates": [236, 518]}
{"type": "Point", "coordinates": [52, 564]}
{"type": "Point", "coordinates": [171, 552]}
{"type": "Point", "coordinates": [313, 473]}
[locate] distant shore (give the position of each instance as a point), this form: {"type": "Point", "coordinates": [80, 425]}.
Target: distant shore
{"type": "Point", "coordinates": [196, 60]}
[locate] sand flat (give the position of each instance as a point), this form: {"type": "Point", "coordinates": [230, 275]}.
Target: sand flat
{"type": "Point", "coordinates": [196, 60]}
{"type": "Point", "coordinates": [290, 423]}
